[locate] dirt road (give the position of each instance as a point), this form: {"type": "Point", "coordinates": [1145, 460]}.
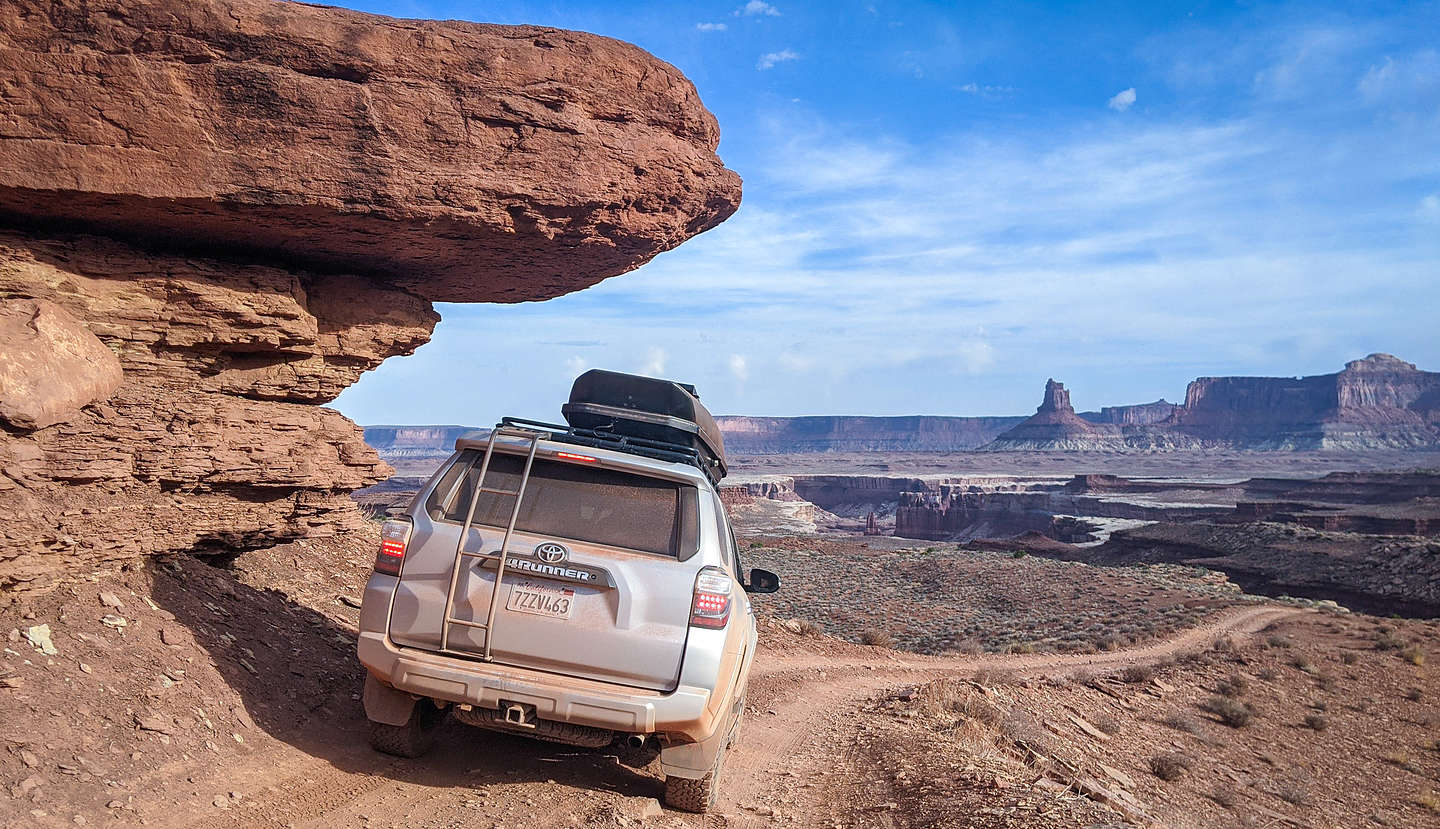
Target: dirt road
{"type": "Point", "coordinates": [790, 765]}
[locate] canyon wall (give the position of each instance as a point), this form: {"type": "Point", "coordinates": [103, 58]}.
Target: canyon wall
{"type": "Point", "coordinates": [1378, 402]}
{"type": "Point", "coordinates": [216, 215]}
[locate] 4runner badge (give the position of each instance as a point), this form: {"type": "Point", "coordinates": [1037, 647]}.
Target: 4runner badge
{"type": "Point", "coordinates": [551, 553]}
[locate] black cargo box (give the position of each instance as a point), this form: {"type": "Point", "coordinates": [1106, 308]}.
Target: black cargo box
{"type": "Point", "coordinates": [647, 408]}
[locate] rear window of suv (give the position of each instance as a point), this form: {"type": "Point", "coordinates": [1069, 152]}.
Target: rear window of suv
{"type": "Point", "coordinates": [581, 503]}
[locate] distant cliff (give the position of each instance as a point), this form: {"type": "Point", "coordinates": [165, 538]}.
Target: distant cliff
{"type": "Point", "coordinates": [774, 435]}
{"type": "Point", "coordinates": [1380, 402]}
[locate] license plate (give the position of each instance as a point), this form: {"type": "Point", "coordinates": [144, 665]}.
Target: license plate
{"type": "Point", "coordinates": [541, 599]}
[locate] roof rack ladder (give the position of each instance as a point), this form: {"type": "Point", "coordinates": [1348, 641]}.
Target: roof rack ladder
{"type": "Point", "coordinates": [533, 438]}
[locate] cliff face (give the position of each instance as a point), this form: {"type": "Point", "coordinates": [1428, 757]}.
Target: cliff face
{"type": "Point", "coordinates": [1378, 402]}
{"type": "Point", "coordinates": [1139, 414]}
{"type": "Point", "coordinates": [216, 215]}
{"type": "Point", "coordinates": [778, 435]}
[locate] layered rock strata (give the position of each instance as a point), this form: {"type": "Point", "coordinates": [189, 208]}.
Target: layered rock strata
{"type": "Point", "coordinates": [216, 215]}
{"type": "Point", "coordinates": [1056, 426]}
{"type": "Point", "coordinates": [780, 435]}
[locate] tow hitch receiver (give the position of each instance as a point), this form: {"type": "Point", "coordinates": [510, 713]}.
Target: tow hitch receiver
{"type": "Point", "coordinates": [518, 714]}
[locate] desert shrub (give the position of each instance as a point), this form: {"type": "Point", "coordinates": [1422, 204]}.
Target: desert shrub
{"type": "Point", "coordinates": [1180, 722]}
{"type": "Point", "coordinates": [1302, 663]}
{"type": "Point", "coordinates": [1295, 792]}
{"type": "Point", "coordinates": [877, 637]}
{"type": "Point", "coordinates": [756, 545]}
{"type": "Point", "coordinates": [1023, 730]}
{"type": "Point", "coordinates": [1233, 685]}
{"type": "Point", "coordinates": [1414, 655]}
{"type": "Point", "coordinates": [1018, 554]}
{"type": "Point", "coordinates": [805, 627]}
{"type": "Point", "coordinates": [1224, 796]}
{"type": "Point", "coordinates": [1428, 800]}
{"type": "Point", "coordinates": [1231, 712]}
{"type": "Point", "coordinates": [1317, 722]}
{"type": "Point", "coordinates": [1388, 640]}
{"type": "Point", "coordinates": [1414, 694]}
{"type": "Point", "coordinates": [1223, 645]}
{"type": "Point", "coordinates": [1325, 681]}
{"type": "Point", "coordinates": [1136, 674]}
{"type": "Point", "coordinates": [1349, 657]}
{"type": "Point", "coordinates": [1022, 647]}
{"type": "Point", "coordinates": [1267, 674]}
{"type": "Point", "coordinates": [989, 678]}
{"type": "Point", "coordinates": [1275, 640]}
{"type": "Point", "coordinates": [1169, 766]}
{"type": "Point", "coordinates": [956, 697]}
{"type": "Point", "coordinates": [1108, 723]}
{"type": "Point", "coordinates": [1402, 760]}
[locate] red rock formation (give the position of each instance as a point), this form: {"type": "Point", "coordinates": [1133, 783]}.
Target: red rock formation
{"type": "Point", "coordinates": [1378, 402]}
{"type": "Point", "coordinates": [462, 162]}
{"type": "Point", "coordinates": [230, 209]}
{"type": "Point", "coordinates": [1055, 426]}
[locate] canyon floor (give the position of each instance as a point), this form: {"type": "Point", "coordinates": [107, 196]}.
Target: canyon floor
{"type": "Point", "coordinates": [186, 694]}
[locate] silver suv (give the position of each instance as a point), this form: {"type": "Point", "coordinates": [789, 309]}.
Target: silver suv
{"type": "Point", "coordinates": [579, 590]}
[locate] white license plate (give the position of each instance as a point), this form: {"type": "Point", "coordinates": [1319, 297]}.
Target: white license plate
{"type": "Point", "coordinates": [541, 599]}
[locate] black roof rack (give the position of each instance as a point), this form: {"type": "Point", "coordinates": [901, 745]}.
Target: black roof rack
{"type": "Point", "coordinates": [596, 439]}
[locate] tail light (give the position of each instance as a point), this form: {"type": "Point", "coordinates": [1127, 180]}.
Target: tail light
{"type": "Point", "coordinates": [394, 538]}
{"type": "Point", "coordinates": [711, 606]}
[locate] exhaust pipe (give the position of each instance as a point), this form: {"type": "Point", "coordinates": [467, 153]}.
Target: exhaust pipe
{"type": "Point", "coordinates": [635, 741]}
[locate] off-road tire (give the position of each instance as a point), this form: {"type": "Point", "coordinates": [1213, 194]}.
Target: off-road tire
{"type": "Point", "coordinates": [412, 739]}
{"type": "Point", "coordinates": [698, 795]}
{"type": "Point", "coordinates": [689, 795]}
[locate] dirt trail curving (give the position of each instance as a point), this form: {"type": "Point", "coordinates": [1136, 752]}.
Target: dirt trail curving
{"type": "Point", "coordinates": [790, 764]}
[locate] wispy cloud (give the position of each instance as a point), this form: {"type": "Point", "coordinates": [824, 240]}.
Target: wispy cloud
{"type": "Point", "coordinates": [757, 7]}
{"type": "Point", "coordinates": [711, 27]}
{"type": "Point", "coordinates": [769, 59]}
{"type": "Point", "coordinates": [1123, 100]}
{"type": "Point", "coordinates": [655, 361]}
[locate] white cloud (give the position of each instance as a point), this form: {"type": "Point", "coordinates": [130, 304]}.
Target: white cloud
{"type": "Point", "coordinates": [976, 356]}
{"type": "Point", "coordinates": [1430, 208]}
{"type": "Point", "coordinates": [655, 360]}
{"type": "Point", "coordinates": [1122, 100]}
{"type": "Point", "coordinates": [757, 7]}
{"type": "Point", "coordinates": [769, 59]}
{"type": "Point", "coordinates": [711, 27]}
{"type": "Point", "coordinates": [576, 365]}
{"type": "Point", "coordinates": [739, 368]}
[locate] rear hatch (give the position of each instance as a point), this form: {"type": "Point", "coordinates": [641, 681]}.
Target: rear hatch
{"type": "Point", "coordinates": [595, 586]}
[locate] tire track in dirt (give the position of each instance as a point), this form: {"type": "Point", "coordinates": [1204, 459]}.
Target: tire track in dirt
{"type": "Point", "coordinates": [814, 715]}
{"type": "Point", "coordinates": [789, 757]}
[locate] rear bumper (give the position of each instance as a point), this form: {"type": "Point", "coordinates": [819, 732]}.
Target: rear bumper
{"type": "Point", "coordinates": [684, 711]}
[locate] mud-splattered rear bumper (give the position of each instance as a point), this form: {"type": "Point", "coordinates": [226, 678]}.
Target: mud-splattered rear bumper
{"type": "Point", "coordinates": [565, 699]}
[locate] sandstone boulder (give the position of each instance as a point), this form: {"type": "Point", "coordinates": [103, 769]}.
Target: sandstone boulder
{"type": "Point", "coordinates": [51, 365]}
{"type": "Point", "coordinates": [462, 162]}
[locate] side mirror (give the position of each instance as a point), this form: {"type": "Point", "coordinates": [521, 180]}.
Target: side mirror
{"type": "Point", "coordinates": [762, 581]}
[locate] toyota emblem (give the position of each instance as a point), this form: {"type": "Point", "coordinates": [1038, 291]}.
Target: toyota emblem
{"type": "Point", "coordinates": [551, 553]}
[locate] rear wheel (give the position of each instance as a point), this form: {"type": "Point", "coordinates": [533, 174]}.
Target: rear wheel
{"type": "Point", "coordinates": [412, 739]}
{"type": "Point", "coordinates": [698, 794]}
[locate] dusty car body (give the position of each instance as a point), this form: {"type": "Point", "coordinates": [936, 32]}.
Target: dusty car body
{"type": "Point", "coordinates": [559, 585]}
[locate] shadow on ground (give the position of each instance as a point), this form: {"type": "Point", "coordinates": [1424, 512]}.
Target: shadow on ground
{"type": "Point", "coordinates": [295, 672]}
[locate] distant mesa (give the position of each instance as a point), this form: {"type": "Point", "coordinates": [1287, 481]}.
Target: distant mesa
{"type": "Point", "coordinates": [1380, 402]}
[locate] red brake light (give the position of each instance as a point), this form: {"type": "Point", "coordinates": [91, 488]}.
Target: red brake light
{"type": "Point", "coordinates": [571, 456]}
{"type": "Point", "coordinates": [711, 606]}
{"type": "Point", "coordinates": [394, 538]}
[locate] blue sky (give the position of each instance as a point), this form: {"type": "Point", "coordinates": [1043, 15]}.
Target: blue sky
{"type": "Point", "coordinates": [946, 204]}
